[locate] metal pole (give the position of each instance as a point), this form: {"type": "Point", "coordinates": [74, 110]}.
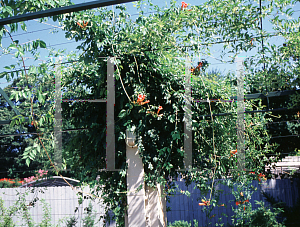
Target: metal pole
{"type": "Point", "coordinates": [188, 117]}
{"type": "Point", "coordinates": [110, 116]}
{"type": "Point", "coordinates": [61, 10]}
{"type": "Point", "coordinates": [58, 118]}
{"type": "Point", "coordinates": [240, 115]}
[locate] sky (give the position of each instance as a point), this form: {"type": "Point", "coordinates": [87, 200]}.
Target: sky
{"type": "Point", "coordinates": [44, 31]}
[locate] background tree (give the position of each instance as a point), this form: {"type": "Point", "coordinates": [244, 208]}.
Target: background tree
{"type": "Point", "coordinates": [12, 148]}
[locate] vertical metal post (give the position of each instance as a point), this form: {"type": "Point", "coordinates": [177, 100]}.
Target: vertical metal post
{"type": "Point", "coordinates": [110, 116]}
{"type": "Point", "coordinates": [58, 118]}
{"type": "Point", "coordinates": [240, 115]}
{"type": "Point", "coordinates": [187, 117]}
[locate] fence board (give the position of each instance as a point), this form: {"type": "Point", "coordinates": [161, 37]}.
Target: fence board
{"type": "Point", "coordinates": [281, 189]}
{"type": "Point", "coordinates": [63, 202]}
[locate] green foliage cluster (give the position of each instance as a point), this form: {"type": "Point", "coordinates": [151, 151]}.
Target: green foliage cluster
{"type": "Point", "coordinates": [289, 215]}
{"type": "Point", "coordinates": [183, 224]}
{"type": "Point", "coordinates": [21, 207]}
{"type": "Point", "coordinates": [89, 219]}
{"type": "Point", "coordinates": [263, 216]}
{"type": "Point", "coordinates": [12, 165]}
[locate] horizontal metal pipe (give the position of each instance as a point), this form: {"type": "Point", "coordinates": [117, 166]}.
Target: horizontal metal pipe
{"type": "Point", "coordinates": [61, 10]}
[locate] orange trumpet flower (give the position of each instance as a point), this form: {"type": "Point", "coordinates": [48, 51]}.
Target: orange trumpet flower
{"type": "Point", "coordinates": [141, 99]}
{"type": "Point", "coordinates": [159, 109]}
{"type": "Point", "coordinates": [200, 65]}
{"type": "Point", "coordinates": [183, 5]}
{"type": "Point", "coordinates": [233, 152]}
{"type": "Point", "coordinates": [83, 24]}
{"type": "Point", "coordinates": [142, 103]}
{"type": "Point", "coordinates": [204, 203]}
{"type": "Point", "coordinates": [240, 202]}
{"type": "Point", "coordinates": [259, 176]}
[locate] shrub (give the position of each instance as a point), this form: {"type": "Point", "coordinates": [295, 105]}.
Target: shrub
{"type": "Point", "coordinates": [183, 224]}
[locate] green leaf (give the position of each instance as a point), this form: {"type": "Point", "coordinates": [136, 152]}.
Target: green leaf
{"type": "Point", "coordinates": [24, 27]}
{"type": "Point", "coordinates": [12, 46]}
{"type": "Point", "coordinates": [175, 135]}
{"type": "Point", "coordinates": [171, 118]}
{"type": "Point", "coordinates": [3, 74]}
{"type": "Point", "coordinates": [27, 162]}
{"type": "Point", "coordinates": [9, 10]}
{"type": "Point", "coordinates": [122, 113]}
{"type": "Point", "coordinates": [42, 44]}
{"type": "Point", "coordinates": [32, 70]}
{"type": "Point", "coordinates": [24, 94]}
{"type": "Point", "coordinates": [40, 97]}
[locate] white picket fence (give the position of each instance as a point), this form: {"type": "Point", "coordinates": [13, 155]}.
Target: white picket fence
{"type": "Point", "coordinates": [62, 200]}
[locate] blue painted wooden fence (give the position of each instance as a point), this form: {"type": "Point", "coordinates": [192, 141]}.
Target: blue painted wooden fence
{"type": "Point", "coordinates": [187, 208]}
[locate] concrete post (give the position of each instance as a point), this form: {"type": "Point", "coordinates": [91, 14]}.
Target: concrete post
{"type": "Point", "coordinates": [155, 207]}
{"type": "Point", "coordinates": [146, 208]}
{"type": "Point", "coordinates": [135, 178]}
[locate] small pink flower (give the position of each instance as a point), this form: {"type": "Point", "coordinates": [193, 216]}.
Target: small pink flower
{"type": "Point", "coordinates": [40, 171]}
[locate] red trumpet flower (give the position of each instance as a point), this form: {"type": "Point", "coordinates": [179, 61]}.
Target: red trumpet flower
{"type": "Point", "coordinates": [204, 203]}
{"type": "Point", "coordinates": [259, 176]}
{"type": "Point", "coordinates": [240, 202]}
{"type": "Point", "coordinates": [183, 5]}
{"type": "Point", "coordinates": [233, 152]}
{"type": "Point", "coordinates": [141, 99]}
{"type": "Point", "coordinates": [200, 65]}
{"type": "Point", "coordinates": [142, 103]}
{"type": "Point", "coordinates": [159, 109]}
{"type": "Point", "coordinates": [83, 24]}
